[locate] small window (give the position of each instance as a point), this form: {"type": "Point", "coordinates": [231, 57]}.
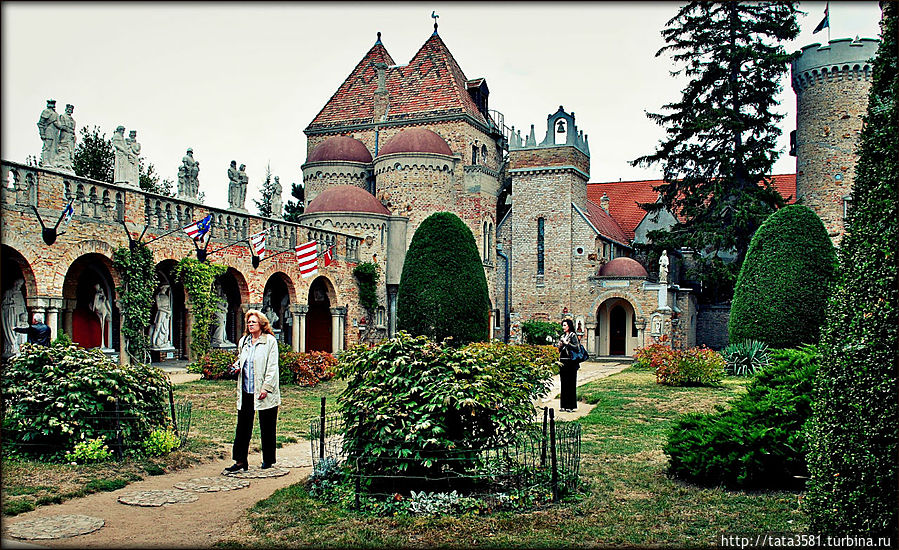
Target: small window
{"type": "Point", "coordinates": [474, 154]}
{"type": "Point", "coordinates": [541, 222]}
{"type": "Point", "coordinates": [579, 251]}
{"type": "Point", "coordinates": [484, 154]}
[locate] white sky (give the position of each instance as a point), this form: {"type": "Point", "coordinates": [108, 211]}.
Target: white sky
{"type": "Point", "coordinates": [237, 81]}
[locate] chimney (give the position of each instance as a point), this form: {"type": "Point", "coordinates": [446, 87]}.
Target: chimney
{"type": "Point", "coordinates": [604, 202]}
{"type": "Point", "coordinates": [381, 99]}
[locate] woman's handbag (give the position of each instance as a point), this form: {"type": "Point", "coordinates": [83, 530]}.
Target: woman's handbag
{"type": "Point", "coordinates": [579, 355]}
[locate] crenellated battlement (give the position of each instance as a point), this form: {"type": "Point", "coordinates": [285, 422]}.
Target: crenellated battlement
{"type": "Point", "coordinates": [840, 60]}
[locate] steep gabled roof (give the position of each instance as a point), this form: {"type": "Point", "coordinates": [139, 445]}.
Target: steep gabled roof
{"type": "Point", "coordinates": [605, 224]}
{"type": "Point", "coordinates": [432, 83]}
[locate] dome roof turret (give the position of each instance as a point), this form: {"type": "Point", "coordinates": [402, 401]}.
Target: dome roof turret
{"type": "Point", "coordinates": [623, 267]}
{"type": "Point", "coordinates": [345, 198]}
{"type": "Point", "coordinates": [416, 140]}
{"type": "Point", "coordinates": [340, 148]}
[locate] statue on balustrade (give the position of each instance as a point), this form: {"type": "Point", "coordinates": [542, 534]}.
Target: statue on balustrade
{"type": "Point", "coordinates": [122, 166]}
{"type": "Point", "coordinates": [277, 206]}
{"type": "Point", "coordinates": [65, 152]}
{"type": "Point", "coordinates": [49, 133]}
{"type": "Point", "coordinates": [161, 330]}
{"type": "Point", "coordinates": [188, 176]}
{"type": "Point", "coordinates": [242, 188]}
{"type": "Point", "coordinates": [13, 307]}
{"type": "Point", "coordinates": [100, 306]}
{"type": "Point", "coordinates": [133, 158]}
{"type": "Point", "coordinates": [233, 184]}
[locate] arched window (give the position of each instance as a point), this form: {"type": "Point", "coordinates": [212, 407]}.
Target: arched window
{"type": "Point", "coordinates": [541, 223]}
{"type": "Point", "coordinates": [474, 154]}
{"type": "Point", "coordinates": [486, 243]}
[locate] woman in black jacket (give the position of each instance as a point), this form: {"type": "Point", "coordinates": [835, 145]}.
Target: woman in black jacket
{"type": "Point", "coordinates": [568, 343]}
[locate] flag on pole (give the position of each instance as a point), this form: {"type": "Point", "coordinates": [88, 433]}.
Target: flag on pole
{"type": "Point", "coordinates": [198, 231]}
{"type": "Point", "coordinates": [329, 256]}
{"type": "Point", "coordinates": [825, 23]}
{"type": "Point", "coordinates": [258, 243]}
{"type": "Point", "coordinates": [308, 259]}
{"type": "Point", "coordinates": [67, 214]}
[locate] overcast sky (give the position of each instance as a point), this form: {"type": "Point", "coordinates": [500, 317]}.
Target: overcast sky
{"type": "Point", "coordinates": [241, 82]}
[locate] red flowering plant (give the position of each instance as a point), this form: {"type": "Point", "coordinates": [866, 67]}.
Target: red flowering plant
{"type": "Point", "coordinates": [691, 367]}
{"type": "Point", "coordinates": [305, 369]}
{"type": "Point", "coordinates": [653, 355]}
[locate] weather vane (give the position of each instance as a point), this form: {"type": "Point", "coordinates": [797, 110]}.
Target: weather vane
{"type": "Point", "coordinates": [435, 16]}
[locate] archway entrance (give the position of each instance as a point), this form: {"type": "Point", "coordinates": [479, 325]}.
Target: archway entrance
{"type": "Point", "coordinates": [318, 318]}
{"type": "Point", "coordinates": [617, 331]}
{"type": "Point", "coordinates": [171, 298]}
{"type": "Point", "coordinates": [16, 278]}
{"type": "Point", "coordinates": [90, 291]}
{"type": "Point", "coordinates": [276, 306]}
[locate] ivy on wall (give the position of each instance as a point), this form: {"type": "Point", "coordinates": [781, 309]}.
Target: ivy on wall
{"type": "Point", "coordinates": [137, 269]}
{"type": "Point", "coordinates": [198, 278]}
{"type": "Point", "coordinates": [367, 277]}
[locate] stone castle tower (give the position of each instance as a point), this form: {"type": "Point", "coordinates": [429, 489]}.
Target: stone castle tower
{"type": "Point", "coordinates": [832, 83]}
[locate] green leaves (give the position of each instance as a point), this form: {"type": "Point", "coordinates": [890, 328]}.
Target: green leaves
{"type": "Point", "coordinates": [367, 276]}
{"type": "Point", "coordinates": [198, 278]}
{"type": "Point", "coordinates": [138, 274]}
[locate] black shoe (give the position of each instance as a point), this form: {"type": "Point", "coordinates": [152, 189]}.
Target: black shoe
{"type": "Point", "coordinates": [267, 465]}
{"type": "Point", "coordinates": [236, 467]}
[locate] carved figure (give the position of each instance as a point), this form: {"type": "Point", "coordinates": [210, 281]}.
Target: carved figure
{"type": "Point", "coordinates": [244, 183]}
{"type": "Point", "coordinates": [65, 152]}
{"type": "Point", "coordinates": [12, 309]}
{"type": "Point", "coordinates": [161, 333]}
{"type": "Point", "coordinates": [191, 174]}
{"type": "Point", "coordinates": [49, 133]}
{"type": "Point", "coordinates": [663, 267]}
{"type": "Point", "coordinates": [100, 307]}
{"type": "Point", "coordinates": [269, 311]}
{"type": "Point", "coordinates": [219, 339]}
{"type": "Point", "coordinates": [233, 184]}
{"type": "Point", "coordinates": [133, 158]}
{"type": "Point", "coordinates": [287, 318]}
{"type": "Point", "coordinates": [121, 151]}
{"type": "Point", "coordinates": [277, 206]}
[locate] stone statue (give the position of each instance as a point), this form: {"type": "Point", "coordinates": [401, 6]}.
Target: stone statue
{"type": "Point", "coordinates": [22, 337]}
{"type": "Point", "coordinates": [219, 339]}
{"type": "Point", "coordinates": [133, 158]}
{"type": "Point", "coordinates": [244, 183]}
{"type": "Point", "coordinates": [663, 267]}
{"type": "Point", "coordinates": [121, 150]}
{"type": "Point", "coordinates": [182, 181]}
{"type": "Point", "coordinates": [269, 311]}
{"type": "Point", "coordinates": [277, 206]}
{"type": "Point", "coordinates": [286, 317]}
{"type": "Point", "coordinates": [161, 332]}
{"type": "Point", "coordinates": [233, 184]}
{"type": "Point", "coordinates": [100, 307]}
{"type": "Point", "coordinates": [65, 152]}
{"type": "Point", "coordinates": [49, 133]}
{"type": "Point", "coordinates": [191, 170]}
{"type": "Point", "coordinates": [13, 307]}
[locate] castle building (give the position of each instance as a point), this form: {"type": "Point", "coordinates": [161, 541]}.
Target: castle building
{"type": "Point", "coordinates": [394, 144]}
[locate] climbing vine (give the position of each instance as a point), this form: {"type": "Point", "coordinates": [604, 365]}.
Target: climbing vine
{"type": "Point", "coordinates": [367, 277]}
{"type": "Point", "coordinates": [198, 278]}
{"type": "Point", "coordinates": [137, 269]}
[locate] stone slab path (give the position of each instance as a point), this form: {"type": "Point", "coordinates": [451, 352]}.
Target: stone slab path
{"type": "Point", "coordinates": [201, 523]}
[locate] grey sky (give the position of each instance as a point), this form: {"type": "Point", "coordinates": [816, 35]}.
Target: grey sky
{"type": "Point", "coordinates": [241, 82]}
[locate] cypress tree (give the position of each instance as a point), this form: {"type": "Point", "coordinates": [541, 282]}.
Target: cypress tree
{"type": "Point", "coordinates": [853, 430]}
{"type": "Point", "coordinates": [781, 293]}
{"type": "Point", "coordinates": [443, 290]}
{"type": "Point", "coordinates": [721, 135]}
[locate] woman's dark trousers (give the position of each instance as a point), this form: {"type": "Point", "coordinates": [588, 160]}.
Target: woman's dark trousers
{"type": "Point", "coordinates": [267, 420]}
{"type": "Point", "coordinates": [568, 375]}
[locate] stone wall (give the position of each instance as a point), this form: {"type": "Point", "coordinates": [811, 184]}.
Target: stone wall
{"type": "Point", "coordinates": [711, 326]}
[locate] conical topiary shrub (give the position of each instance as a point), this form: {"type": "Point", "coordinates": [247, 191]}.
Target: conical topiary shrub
{"type": "Point", "coordinates": [443, 290]}
{"type": "Point", "coordinates": [783, 286]}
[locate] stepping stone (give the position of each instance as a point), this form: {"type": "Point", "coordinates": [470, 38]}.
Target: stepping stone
{"type": "Point", "coordinates": [259, 473]}
{"type": "Point", "coordinates": [157, 498]}
{"type": "Point", "coordinates": [212, 484]}
{"type": "Point", "coordinates": [54, 527]}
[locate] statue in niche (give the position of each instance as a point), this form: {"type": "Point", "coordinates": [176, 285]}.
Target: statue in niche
{"type": "Point", "coordinates": [242, 188]}
{"type": "Point", "coordinates": [12, 310]}
{"type": "Point", "coordinates": [49, 133]}
{"type": "Point", "coordinates": [161, 331]}
{"type": "Point", "coordinates": [133, 158]}
{"type": "Point", "coordinates": [65, 153]}
{"type": "Point", "coordinates": [269, 311]}
{"type": "Point", "coordinates": [219, 339]}
{"type": "Point", "coordinates": [656, 325]}
{"type": "Point", "coordinates": [121, 151]}
{"type": "Point", "coordinates": [22, 337]}
{"type": "Point", "coordinates": [286, 317]}
{"type": "Point", "coordinates": [233, 184]}
{"type": "Point", "coordinates": [277, 206]}
{"type": "Point", "coordinates": [100, 306]}
{"type": "Point", "coordinates": [191, 171]}
{"type": "Point", "coordinates": [663, 267]}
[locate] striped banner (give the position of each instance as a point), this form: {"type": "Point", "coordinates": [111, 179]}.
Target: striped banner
{"type": "Point", "coordinates": [308, 259]}
{"type": "Point", "coordinates": [258, 242]}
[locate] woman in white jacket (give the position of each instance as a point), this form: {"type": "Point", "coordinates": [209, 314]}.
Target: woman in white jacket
{"type": "Point", "coordinates": [257, 390]}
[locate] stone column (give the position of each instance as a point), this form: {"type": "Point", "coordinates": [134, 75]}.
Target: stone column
{"type": "Point", "coordinates": [68, 307]}
{"type": "Point", "coordinates": [123, 342]}
{"type": "Point", "coordinates": [303, 312]}
{"type": "Point", "coordinates": [335, 329]}
{"type": "Point", "coordinates": [391, 310]}
{"type": "Point", "coordinates": [592, 342]}
{"type": "Point", "coordinates": [53, 320]}
{"type": "Point", "coordinates": [299, 316]}
{"type": "Point", "coordinates": [342, 339]}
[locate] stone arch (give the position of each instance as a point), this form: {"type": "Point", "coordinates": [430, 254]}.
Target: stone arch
{"type": "Point", "coordinates": [11, 255]}
{"type": "Point", "coordinates": [89, 246]}
{"type": "Point", "coordinates": [321, 299]}
{"type": "Point", "coordinates": [86, 273]}
{"type": "Point", "coordinates": [614, 311]}
{"type": "Point", "coordinates": [180, 326]}
{"type": "Point", "coordinates": [279, 293]}
{"type": "Point", "coordinates": [15, 312]}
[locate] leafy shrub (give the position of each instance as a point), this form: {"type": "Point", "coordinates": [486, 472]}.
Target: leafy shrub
{"type": "Point", "coordinates": [305, 369]}
{"type": "Point", "coordinates": [89, 450]}
{"type": "Point", "coordinates": [746, 358]}
{"type": "Point", "coordinates": [411, 402]}
{"type": "Point", "coordinates": [690, 367]}
{"type": "Point", "coordinates": [760, 440]}
{"type": "Point", "coordinates": [367, 276]}
{"type": "Point", "coordinates": [652, 356]}
{"type": "Point", "coordinates": [215, 364]}
{"type": "Point", "coordinates": [540, 332]}
{"type": "Point", "coordinates": [443, 290]}
{"type": "Point", "coordinates": [782, 290]}
{"type": "Point", "coordinates": [161, 442]}
{"type": "Point", "coordinates": [53, 396]}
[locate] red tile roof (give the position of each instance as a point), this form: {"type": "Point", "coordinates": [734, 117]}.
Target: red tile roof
{"type": "Point", "coordinates": [431, 84]}
{"type": "Point", "coordinates": [624, 196]}
{"type": "Point", "coordinates": [605, 224]}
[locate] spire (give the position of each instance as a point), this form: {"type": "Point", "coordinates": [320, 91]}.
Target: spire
{"type": "Point", "coordinates": [435, 16]}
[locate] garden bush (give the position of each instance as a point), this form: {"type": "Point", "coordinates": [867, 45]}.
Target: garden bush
{"type": "Point", "coordinates": [653, 355]}
{"type": "Point", "coordinates": [540, 332]}
{"type": "Point", "coordinates": [89, 450]}
{"type": "Point", "coordinates": [760, 440]}
{"type": "Point", "coordinates": [443, 290]}
{"type": "Point", "coordinates": [411, 403]}
{"type": "Point", "coordinates": [782, 289]}
{"type": "Point", "coordinates": [304, 369]}
{"type": "Point", "coordinates": [746, 358]}
{"type": "Point", "coordinates": [215, 364]}
{"type": "Point", "coordinates": [690, 367]}
{"type": "Point", "coordinates": [55, 396]}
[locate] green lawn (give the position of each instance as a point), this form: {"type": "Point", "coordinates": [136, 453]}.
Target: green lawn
{"type": "Point", "coordinates": [628, 499]}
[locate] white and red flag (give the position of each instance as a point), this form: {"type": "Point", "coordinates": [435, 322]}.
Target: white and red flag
{"type": "Point", "coordinates": [258, 243]}
{"type": "Point", "coordinates": [329, 256]}
{"type": "Point", "coordinates": [199, 231]}
{"type": "Point", "coordinates": [307, 257]}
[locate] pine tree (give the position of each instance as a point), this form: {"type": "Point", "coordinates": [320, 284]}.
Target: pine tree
{"type": "Point", "coordinates": [853, 437]}
{"type": "Point", "coordinates": [294, 209]}
{"type": "Point", "coordinates": [721, 135]}
{"type": "Point", "coordinates": [265, 203]}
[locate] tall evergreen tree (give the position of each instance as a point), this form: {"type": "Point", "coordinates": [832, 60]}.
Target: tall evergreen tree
{"type": "Point", "coordinates": [264, 204]}
{"type": "Point", "coordinates": [94, 156]}
{"type": "Point", "coordinates": [722, 133]}
{"type": "Point", "coordinates": [853, 430]}
{"type": "Point", "coordinates": [294, 209]}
